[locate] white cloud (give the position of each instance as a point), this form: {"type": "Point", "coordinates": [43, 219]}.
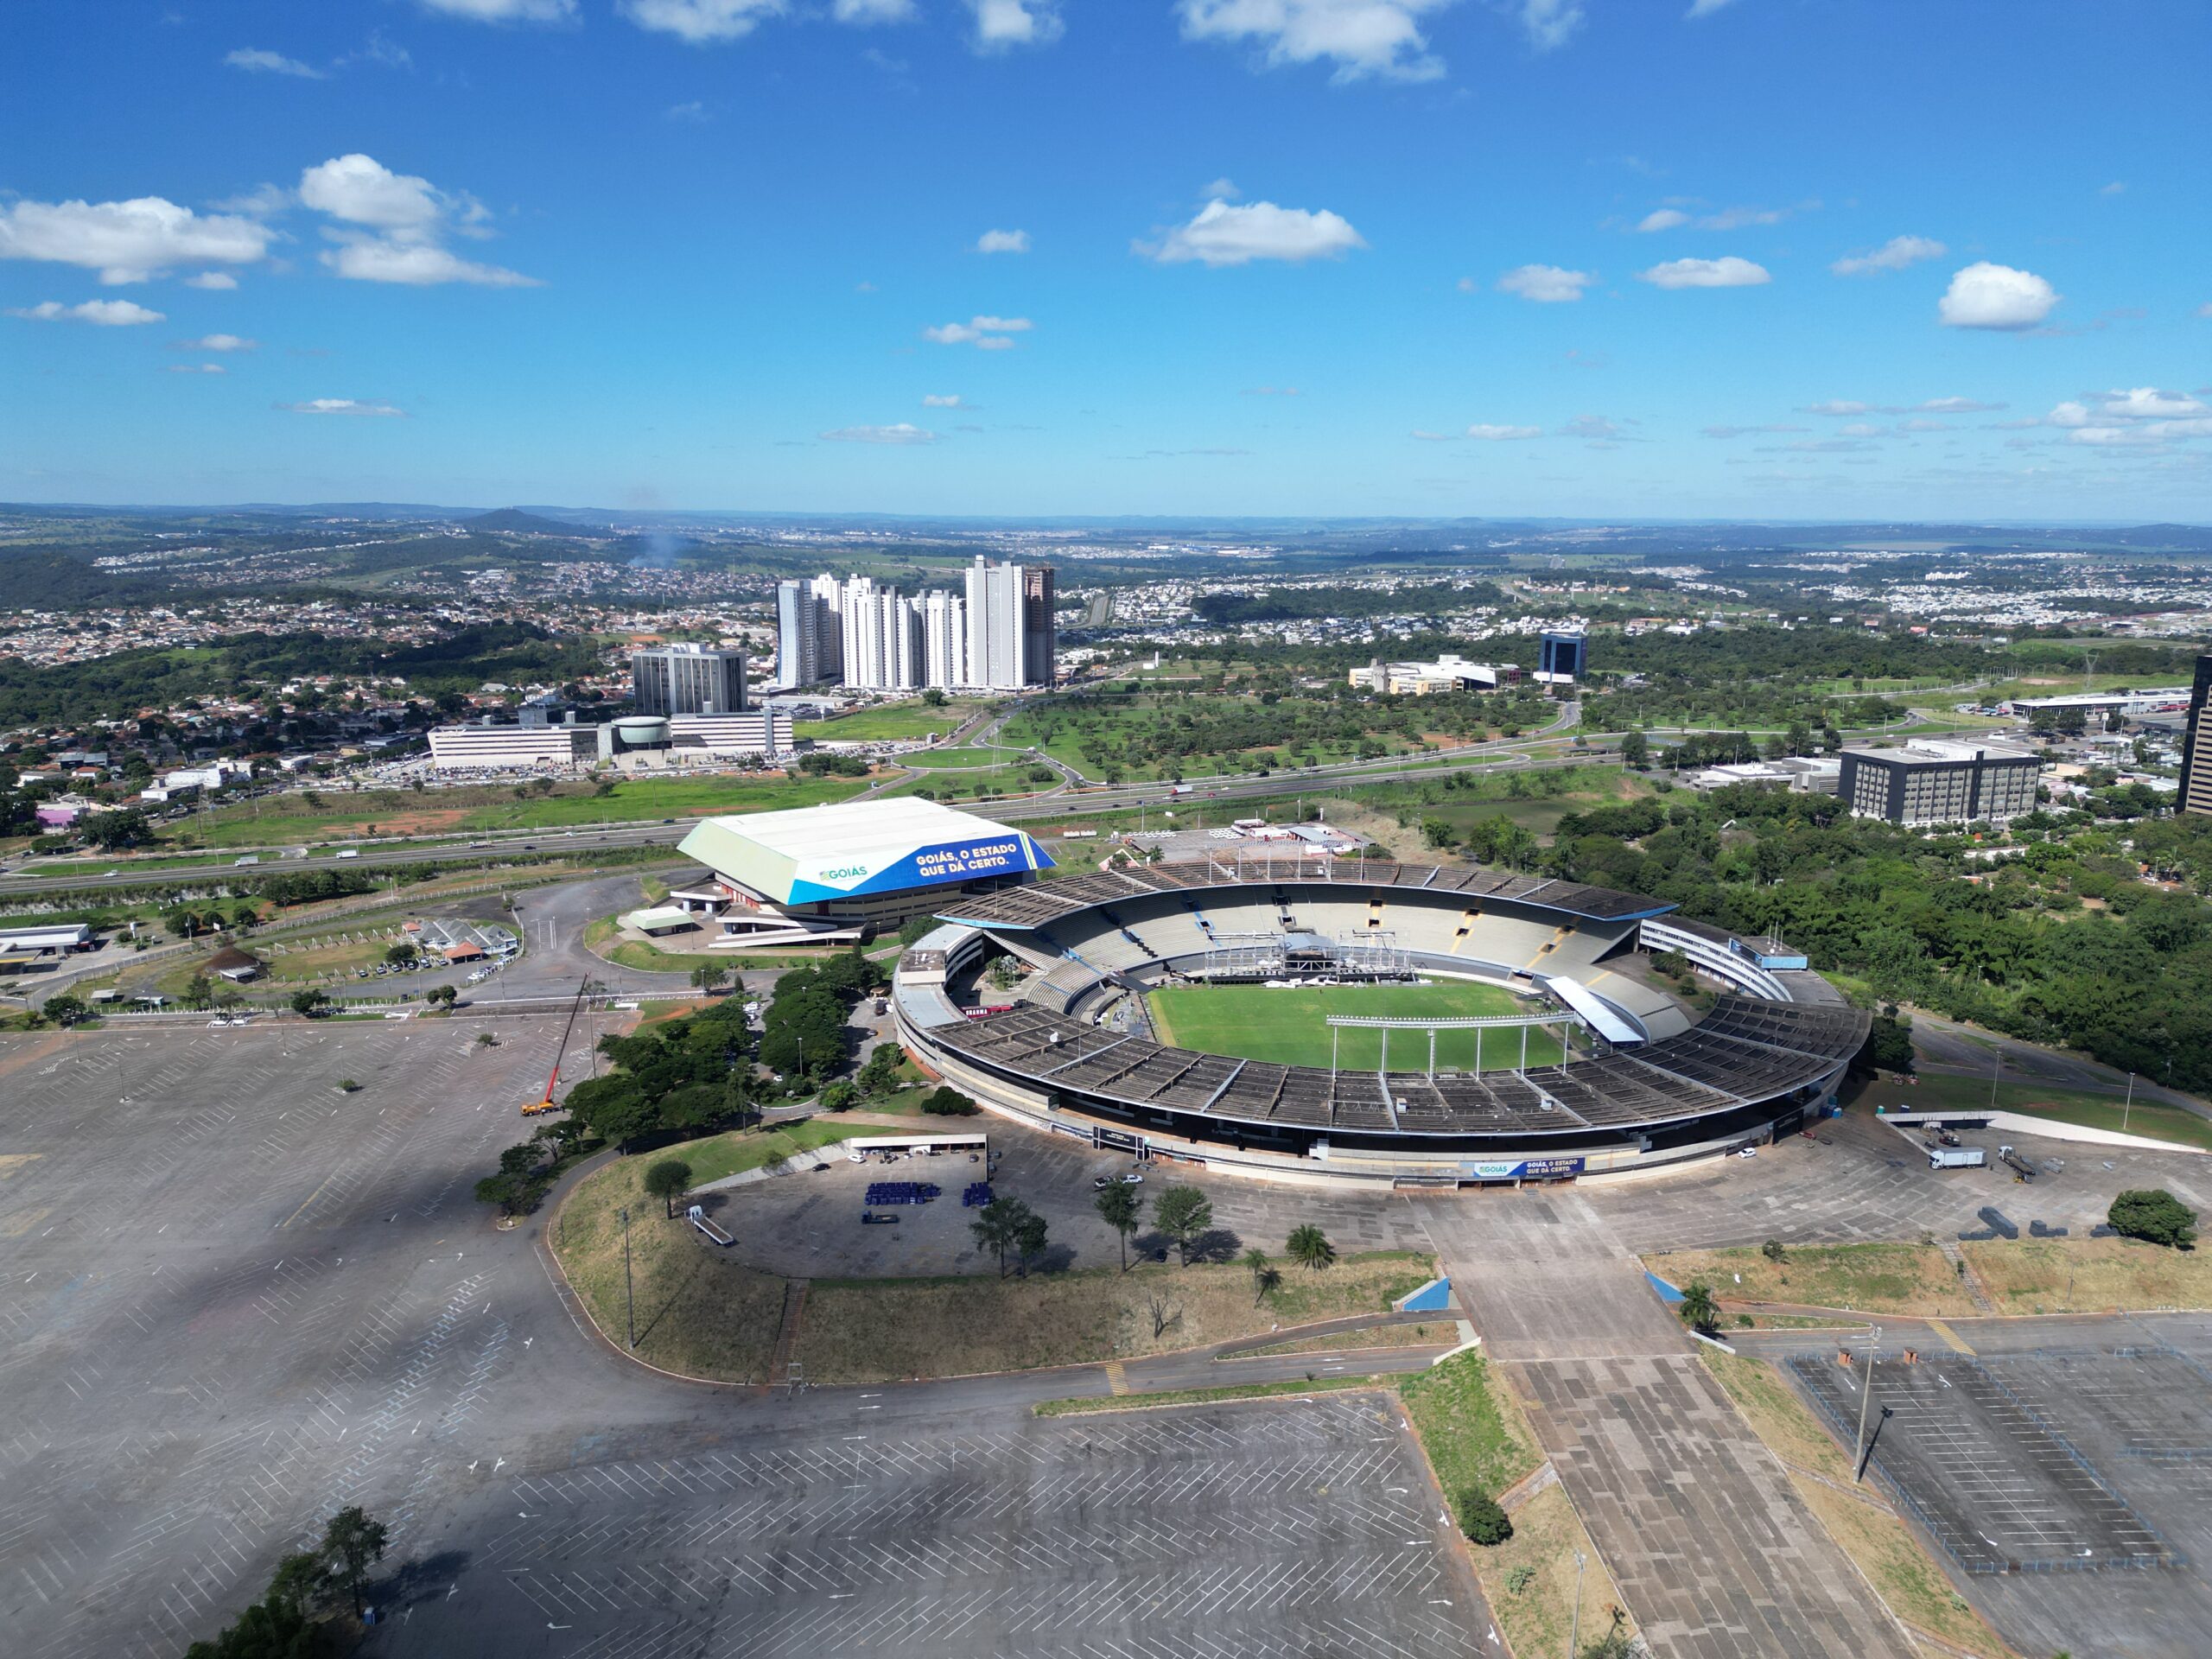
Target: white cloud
{"type": "Point", "coordinates": [904, 432]}
{"type": "Point", "coordinates": [197, 368]}
{"type": "Point", "coordinates": [1957, 406]}
{"type": "Point", "coordinates": [340, 406]}
{"type": "Point", "coordinates": [1224, 188]}
{"type": "Point", "coordinates": [2205, 309]}
{"type": "Point", "coordinates": [940, 400]}
{"type": "Point", "coordinates": [2148, 403]}
{"type": "Point", "coordinates": [1362, 37]}
{"type": "Point", "coordinates": [1728, 271]}
{"type": "Point", "coordinates": [1548, 22]}
{"type": "Point", "coordinates": [1002, 242]}
{"type": "Point", "coordinates": [701, 22]}
{"type": "Point", "coordinates": [404, 218]}
{"type": "Point", "coordinates": [1987, 295]}
{"type": "Point", "coordinates": [2117, 187]}
{"type": "Point", "coordinates": [1545, 284]}
{"type": "Point", "coordinates": [1503, 434]}
{"type": "Point", "coordinates": [985, 333]}
{"type": "Point", "coordinates": [1270, 391]}
{"type": "Point", "coordinates": [1662, 218]}
{"type": "Point", "coordinates": [1003, 24]}
{"type": "Point", "coordinates": [212, 279]}
{"type": "Point", "coordinates": [1707, 8]}
{"type": "Point", "coordinates": [1860, 429]}
{"type": "Point", "coordinates": [272, 63]}
{"type": "Point", "coordinates": [218, 343]}
{"type": "Point", "coordinates": [1434, 437]}
{"type": "Point", "coordinates": [506, 11]}
{"type": "Point", "coordinates": [105, 314]}
{"type": "Point", "coordinates": [1839, 406]}
{"type": "Point", "coordinates": [872, 11]}
{"type": "Point", "coordinates": [1223, 233]}
{"type": "Point", "coordinates": [419, 265]}
{"type": "Point", "coordinates": [2068, 414]}
{"type": "Point", "coordinates": [363, 190]}
{"type": "Point", "coordinates": [127, 241]}
{"type": "Point", "coordinates": [1893, 255]}
{"type": "Point", "coordinates": [1593, 429]}
{"type": "Point", "coordinates": [694, 111]}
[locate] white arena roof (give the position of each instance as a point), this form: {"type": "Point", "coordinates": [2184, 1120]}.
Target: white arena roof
{"type": "Point", "coordinates": [817, 852]}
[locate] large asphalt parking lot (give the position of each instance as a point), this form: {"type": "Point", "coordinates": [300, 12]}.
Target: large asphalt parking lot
{"type": "Point", "coordinates": [233, 1298]}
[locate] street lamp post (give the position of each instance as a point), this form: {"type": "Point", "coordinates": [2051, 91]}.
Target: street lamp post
{"type": "Point", "coordinates": [2128, 1104]}
{"type": "Point", "coordinates": [629, 1307]}
{"type": "Point", "coordinates": [1575, 1625]}
{"type": "Point", "coordinates": [1866, 1395]}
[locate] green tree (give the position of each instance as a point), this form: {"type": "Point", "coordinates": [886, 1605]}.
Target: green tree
{"type": "Point", "coordinates": [1482, 1518]}
{"type": "Point", "coordinates": [301, 1583]}
{"type": "Point", "coordinates": [1636, 749]}
{"type": "Point", "coordinates": [352, 1543]}
{"type": "Point", "coordinates": [199, 990]}
{"type": "Point", "coordinates": [997, 1227]}
{"type": "Point", "coordinates": [1029, 1237]}
{"type": "Point", "coordinates": [840, 1096]}
{"type": "Point", "coordinates": [443, 996]}
{"type": "Point", "coordinates": [309, 1002]}
{"type": "Point", "coordinates": [1309, 1247]}
{"type": "Point", "coordinates": [665, 1179]}
{"type": "Point", "coordinates": [1183, 1213]}
{"type": "Point", "coordinates": [711, 976]}
{"type": "Point", "coordinates": [1699, 1311]}
{"type": "Point", "coordinates": [944, 1101]}
{"type": "Point", "coordinates": [1267, 1278]}
{"type": "Point", "coordinates": [66, 1010]}
{"type": "Point", "coordinates": [2147, 1213]}
{"type": "Point", "coordinates": [402, 954]}
{"type": "Point", "coordinates": [1121, 1208]}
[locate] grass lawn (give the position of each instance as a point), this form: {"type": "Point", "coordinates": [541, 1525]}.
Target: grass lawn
{"type": "Point", "coordinates": [1935, 1093]}
{"type": "Point", "coordinates": [1090, 1404]}
{"type": "Point", "coordinates": [743, 1149]}
{"type": "Point", "coordinates": [1285, 1024]}
{"type": "Point", "coordinates": [875, 1330]}
{"type": "Point", "coordinates": [1865, 1278]}
{"type": "Point", "coordinates": [1476, 1439]}
{"type": "Point", "coordinates": [700, 1311]}
{"type": "Point", "coordinates": [2051, 1275]}
{"type": "Point", "coordinates": [893, 722]}
{"type": "Point", "coordinates": [968, 760]}
{"type": "Point", "coordinates": [474, 808]}
{"type": "Point", "coordinates": [1881, 1545]}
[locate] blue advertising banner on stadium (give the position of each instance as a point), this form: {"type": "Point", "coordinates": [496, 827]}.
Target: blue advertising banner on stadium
{"type": "Point", "coordinates": [1521, 1169]}
{"type": "Point", "coordinates": [941, 864]}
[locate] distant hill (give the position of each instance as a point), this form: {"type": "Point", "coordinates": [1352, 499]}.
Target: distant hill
{"type": "Point", "coordinates": [514, 518]}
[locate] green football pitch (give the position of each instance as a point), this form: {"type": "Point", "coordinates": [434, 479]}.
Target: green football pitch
{"type": "Point", "coordinates": [1287, 1024]}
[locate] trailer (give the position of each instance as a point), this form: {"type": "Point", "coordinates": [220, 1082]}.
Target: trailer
{"type": "Point", "coordinates": [2021, 1168]}
{"type": "Point", "coordinates": [1956, 1158]}
{"type": "Point", "coordinates": [707, 1229]}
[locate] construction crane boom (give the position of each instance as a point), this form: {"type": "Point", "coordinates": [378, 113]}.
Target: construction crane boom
{"type": "Point", "coordinates": [531, 1108]}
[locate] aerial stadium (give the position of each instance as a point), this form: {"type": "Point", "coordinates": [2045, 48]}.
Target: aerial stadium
{"type": "Point", "coordinates": [1357, 1019]}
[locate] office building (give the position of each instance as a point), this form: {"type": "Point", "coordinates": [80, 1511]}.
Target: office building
{"type": "Point", "coordinates": [1447, 673]}
{"type": "Point", "coordinates": [1929, 782]}
{"type": "Point", "coordinates": [687, 680]}
{"type": "Point", "coordinates": [2196, 794]}
{"type": "Point", "coordinates": [1562, 658]}
{"type": "Point", "coordinates": [1040, 629]}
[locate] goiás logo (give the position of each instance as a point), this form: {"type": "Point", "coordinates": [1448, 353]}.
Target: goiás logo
{"type": "Point", "coordinates": [842, 873]}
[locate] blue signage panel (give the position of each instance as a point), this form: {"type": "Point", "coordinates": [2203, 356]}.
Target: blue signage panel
{"type": "Point", "coordinates": [1524, 1169]}
{"type": "Point", "coordinates": [939, 864]}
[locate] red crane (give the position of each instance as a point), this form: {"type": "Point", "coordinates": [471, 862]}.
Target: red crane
{"type": "Point", "coordinates": [531, 1108]}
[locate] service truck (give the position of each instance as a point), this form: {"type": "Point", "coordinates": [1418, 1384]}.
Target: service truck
{"type": "Point", "coordinates": [1956, 1158]}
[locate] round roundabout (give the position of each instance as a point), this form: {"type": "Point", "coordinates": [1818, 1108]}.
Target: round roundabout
{"type": "Point", "coordinates": [1410, 1024]}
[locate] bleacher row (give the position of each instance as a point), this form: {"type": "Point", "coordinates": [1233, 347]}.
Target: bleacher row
{"type": "Point", "coordinates": [1746, 1049]}
{"type": "Point", "coordinates": [1036, 905]}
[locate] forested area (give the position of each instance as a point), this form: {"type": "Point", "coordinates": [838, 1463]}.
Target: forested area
{"type": "Point", "coordinates": [2056, 939]}
{"type": "Point", "coordinates": [106, 686]}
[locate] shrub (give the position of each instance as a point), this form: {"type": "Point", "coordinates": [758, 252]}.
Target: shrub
{"type": "Point", "coordinates": [1482, 1520]}
{"type": "Point", "coordinates": [2155, 1215]}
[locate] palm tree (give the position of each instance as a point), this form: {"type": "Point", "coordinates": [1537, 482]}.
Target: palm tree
{"type": "Point", "coordinates": [1699, 1311]}
{"type": "Point", "coordinates": [1309, 1247]}
{"type": "Point", "coordinates": [1123, 1209]}
{"type": "Point", "coordinates": [1265, 1276]}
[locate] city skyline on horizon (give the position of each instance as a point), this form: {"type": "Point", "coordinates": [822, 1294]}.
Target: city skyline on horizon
{"type": "Point", "coordinates": [1420, 259]}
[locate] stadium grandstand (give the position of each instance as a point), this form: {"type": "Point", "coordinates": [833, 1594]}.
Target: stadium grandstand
{"type": "Point", "coordinates": [1645, 1081]}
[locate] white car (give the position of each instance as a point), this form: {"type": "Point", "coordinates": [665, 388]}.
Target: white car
{"type": "Point", "coordinates": [1747, 1152]}
{"type": "Point", "coordinates": [1133, 1178]}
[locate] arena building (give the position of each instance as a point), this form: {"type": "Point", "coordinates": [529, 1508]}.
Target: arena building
{"type": "Point", "coordinates": [1646, 1080]}
{"type": "Point", "coordinates": [826, 875]}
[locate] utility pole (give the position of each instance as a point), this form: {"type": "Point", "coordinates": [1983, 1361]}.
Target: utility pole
{"type": "Point", "coordinates": [629, 1307]}
{"type": "Point", "coordinates": [1866, 1394]}
{"type": "Point", "coordinates": [1575, 1626]}
{"type": "Point", "coordinates": [2128, 1104]}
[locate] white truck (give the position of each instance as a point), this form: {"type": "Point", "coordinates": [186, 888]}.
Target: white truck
{"type": "Point", "coordinates": [708, 1230]}
{"type": "Point", "coordinates": [1956, 1158]}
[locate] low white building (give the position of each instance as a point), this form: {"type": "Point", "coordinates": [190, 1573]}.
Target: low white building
{"type": "Point", "coordinates": [1449, 672]}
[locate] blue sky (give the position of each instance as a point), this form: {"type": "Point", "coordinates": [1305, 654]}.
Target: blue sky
{"type": "Point", "coordinates": [1768, 258]}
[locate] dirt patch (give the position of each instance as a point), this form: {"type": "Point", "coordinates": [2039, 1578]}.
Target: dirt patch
{"type": "Point", "coordinates": [2052, 1275]}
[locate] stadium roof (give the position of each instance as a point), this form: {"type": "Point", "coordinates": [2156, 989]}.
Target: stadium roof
{"type": "Point", "coordinates": [816, 853]}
